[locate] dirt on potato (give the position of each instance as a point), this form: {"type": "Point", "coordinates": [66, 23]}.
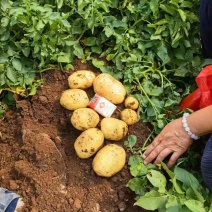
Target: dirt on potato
{"type": "Point", "coordinates": [38, 160]}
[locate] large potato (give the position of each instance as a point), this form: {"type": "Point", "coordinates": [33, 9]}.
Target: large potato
{"type": "Point", "coordinates": [89, 142]}
{"type": "Point", "coordinates": [131, 103]}
{"type": "Point", "coordinates": [109, 160]}
{"type": "Point", "coordinates": [73, 99]}
{"type": "Point", "coordinates": [129, 116]}
{"type": "Point", "coordinates": [84, 118]}
{"type": "Point", "coordinates": [81, 79]}
{"type": "Point", "coordinates": [110, 88]}
{"type": "Point", "coordinates": [114, 129]}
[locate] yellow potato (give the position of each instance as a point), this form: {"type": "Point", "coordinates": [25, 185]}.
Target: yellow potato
{"type": "Point", "coordinates": [114, 129]}
{"type": "Point", "coordinates": [109, 160]}
{"type": "Point", "coordinates": [73, 99]}
{"type": "Point", "coordinates": [129, 116]}
{"type": "Point", "coordinates": [81, 79]}
{"type": "Point", "coordinates": [110, 88]}
{"type": "Point", "coordinates": [131, 103]}
{"type": "Point", "coordinates": [84, 118]}
{"type": "Point", "coordinates": [89, 142]}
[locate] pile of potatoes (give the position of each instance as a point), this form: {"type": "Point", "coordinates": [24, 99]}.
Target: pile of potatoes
{"type": "Point", "coordinates": [111, 158]}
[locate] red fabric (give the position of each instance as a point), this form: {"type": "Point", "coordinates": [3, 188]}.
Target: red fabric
{"type": "Point", "coordinates": [202, 96]}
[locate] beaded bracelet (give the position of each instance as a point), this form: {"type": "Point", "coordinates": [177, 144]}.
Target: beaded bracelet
{"type": "Point", "coordinates": [187, 128]}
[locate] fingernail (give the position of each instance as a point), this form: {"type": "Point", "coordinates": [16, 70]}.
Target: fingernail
{"type": "Point", "coordinates": [145, 163]}
{"type": "Point", "coordinates": [144, 156]}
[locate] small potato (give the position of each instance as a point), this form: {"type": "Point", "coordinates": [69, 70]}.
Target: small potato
{"type": "Point", "coordinates": [131, 103]}
{"type": "Point", "coordinates": [89, 142]}
{"type": "Point", "coordinates": [84, 118]}
{"type": "Point", "coordinates": [82, 79]}
{"type": "Point", "coordinates": [114, 129]}
{"type": "Point", "coordinates": [109, 160]}
{"type": "Point", "coordinates": [110, 88]}
{"type": "Point", "coordinates": [73, 99]}
{"type": "Point", "coordinates": [129, 116]}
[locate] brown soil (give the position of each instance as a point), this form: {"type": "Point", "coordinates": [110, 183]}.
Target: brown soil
{"type": "Point", "coordinates": [38, 161]}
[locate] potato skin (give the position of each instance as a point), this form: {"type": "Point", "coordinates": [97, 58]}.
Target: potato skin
{"type": "Point", "coordinates": [84, 118]}
{"type": "Point", "coordinates": [109, 160]}
{"type": "Point", "coordinates": [110, 88]}
{"type": "Point", "coordinates": [114, 129]}
{"type": "Point", "coordinates": [89, 142]}
{"type": "Point", "coordinates": [81, 79]}
{"type": "Point", "coordinates": [129, 116]}
{"type": "Point", "coordinates": [131, 103]}
{"type": "Point", "coordinates": [73, 99]}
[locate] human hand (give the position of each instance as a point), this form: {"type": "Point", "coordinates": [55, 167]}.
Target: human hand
{"type": "Point", "coordinates": [173, 139]}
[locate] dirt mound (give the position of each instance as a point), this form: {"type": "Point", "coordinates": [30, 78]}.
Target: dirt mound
{"type": "Point", "coordinates": [38, 161]}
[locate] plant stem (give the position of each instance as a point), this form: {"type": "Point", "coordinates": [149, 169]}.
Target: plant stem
{"type": "Point", "coordinates": [144, 145]}
{"type": "Point", "coordinates": [150, 101]}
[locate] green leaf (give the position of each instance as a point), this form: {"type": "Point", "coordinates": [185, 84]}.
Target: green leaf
{"type": "Point", "coordinates": [26, 51]}
{"type": "Point", "coordinates": [59, 3]}
{"type": "Point", "coordinates": [63, 59]}
{"type": "Point", "coordinates": [194, 194]}
{"type": "Point", "coordinates": [96, 49]}
{"type": "Point", "coordinates": [151, 89]}
{"type": "Point", "coordinates": [3, 58]}
{"type": "Point", "coordinates": [186, 178]}
{"type": "Point", "coordinates": [2, 80]}
{"type": "Point", "coordinates": [1, 67]}
{"type": "Point", "coordinates": [11, 74]}
{"type": "Point", "coordinates": [162, 53]}
{"type": "Point", "coordinates": [17, 64]}
{"type": "Point", "coordinates": [161, 123]}
{"type": "Point", "coordinates": [157, 180]}
{"type": "Point", "coordinates": [4, 21]}
{"type": "Point", "coordinates": [182, 14]}
{"type": "Point", "coordinates": [104, 6]}
{"type": "Point", "coordinates": [78, 51]}
{"type": "Point", "coordinates": [137, 185]}
{"type": "Point", "coordinates": [152, 200]}
{"type": "Point", "coordinates": [98, 63]}
{"type": "Point", "coordinates": [33, 91]}
{"type": "Point", "coordinates": [172, 204]}
{"type": "Point", "coordinates": [155, 37]}
{"type": "Point", "coordinates": [108, 31]}
{"type": "Point", "coordinates": [131, 141]}
{"type": "Point", "coordinates": [177, 186]}
{"type": "Point", "coordinates": [118, 24]}
{"type": "Point", "coordinates": [5, 5]}
{"type": "Point", "coordinates": [154, 6]}
{"type": "Point", "coordinates": [137, 168]}
{"type": "Point", "coordinates": [134, 160]}
{"type": "Point", "coordinates": [5, 36]}
{"type": "Point", "coordinates": [169, 9]}
{"type": "Point", "coordinates": [90, 41]}
{"type": "Point", "coordinates": [195, 205]}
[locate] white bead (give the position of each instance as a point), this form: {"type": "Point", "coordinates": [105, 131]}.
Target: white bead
{"type": "Point", "coordinates": [193, 136]}
{"type": "Point", "coordinates": [186, 127]}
